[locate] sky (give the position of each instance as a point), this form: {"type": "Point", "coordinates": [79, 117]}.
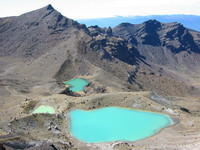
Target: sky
{"type": "Point", "coordinates": [87, 9]}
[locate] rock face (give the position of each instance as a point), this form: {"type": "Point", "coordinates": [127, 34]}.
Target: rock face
{"type": "Point", "coordinates": [161, 43]}
{"type": "Point", "coordinates": [52, 46]}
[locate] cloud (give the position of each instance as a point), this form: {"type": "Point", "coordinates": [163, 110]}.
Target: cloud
{"type": "Point", "coordinates": [78, 9]}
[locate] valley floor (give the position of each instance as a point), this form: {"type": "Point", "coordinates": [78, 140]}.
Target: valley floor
{"type": "Point", "coordinates": [20, 95]}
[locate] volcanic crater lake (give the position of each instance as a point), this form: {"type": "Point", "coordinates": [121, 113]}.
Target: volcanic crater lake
{"type": "Point", "coordinates": [77, 84]}
{"type": "Point", "coordinates": [115, 124]}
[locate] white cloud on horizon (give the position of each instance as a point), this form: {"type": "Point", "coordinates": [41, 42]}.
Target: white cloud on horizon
{"type": "Point", "coordinates": [83, 9]}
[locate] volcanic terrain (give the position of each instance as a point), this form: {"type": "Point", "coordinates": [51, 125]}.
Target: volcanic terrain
{"type": "Point", "coordinates": [151, 66]}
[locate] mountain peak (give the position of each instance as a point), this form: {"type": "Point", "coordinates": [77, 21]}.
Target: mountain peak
{"type": "Point", "coordinates": [49, 7]}
{"type": "Point", "coordinates": [152, 23]}
{"type": "Point", "coordinates": [125, 24]}
{"type": "Point", "coordinates": [38, 13]}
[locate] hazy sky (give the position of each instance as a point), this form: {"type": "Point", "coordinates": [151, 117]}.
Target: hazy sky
{"type": "Point", "coordinates": [78, 9]}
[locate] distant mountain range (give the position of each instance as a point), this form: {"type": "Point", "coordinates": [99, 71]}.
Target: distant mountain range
{"type": "Point", "coordinates": [189, 21]}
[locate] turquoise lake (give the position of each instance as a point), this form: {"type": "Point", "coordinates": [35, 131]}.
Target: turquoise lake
{"type": "Point", "coordinates": [115, 124]}
{"type": "Point", "coordinates": [77, 85]}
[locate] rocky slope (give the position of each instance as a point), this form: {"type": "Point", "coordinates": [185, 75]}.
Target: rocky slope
{"type": "Point", "coordinates": [41, 49]}
{"type": "Point", "coordinates": [167, 44]}
{"type": "Point", "coordinates": [50, 42]}
{"type": "Point", "coordinates": [33, 33]}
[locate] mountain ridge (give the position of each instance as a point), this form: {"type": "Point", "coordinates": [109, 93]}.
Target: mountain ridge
{"type": "Point", "coordinates": [44, 33]}
{"type": "Point", "coordinates": [151, 66]}
{"type": "Point", "coordinates": [45, 20]}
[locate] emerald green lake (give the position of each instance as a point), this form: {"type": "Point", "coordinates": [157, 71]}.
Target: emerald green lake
{"type": "Point", "coordinates": [77, 85]}
{"type": "Point", "coordinates": [115, 124]}
{"type": "Point", "coordinates": [44, 109]}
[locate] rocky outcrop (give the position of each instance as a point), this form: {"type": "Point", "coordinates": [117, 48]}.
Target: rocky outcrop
{"type": "Point", "coordinates": [177, 38]}
{"type": "Point", "coordinates": [170, 35]}
{"type": "Point", "coordinates": [162, 43]}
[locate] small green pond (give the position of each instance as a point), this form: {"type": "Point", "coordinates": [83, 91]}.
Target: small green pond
{"type": "Point", "coordinates": [44, 109]}
{"type": "Point", "coordinates": [77, 84]}
{"type": "Point", "coordinates": [116, 124]}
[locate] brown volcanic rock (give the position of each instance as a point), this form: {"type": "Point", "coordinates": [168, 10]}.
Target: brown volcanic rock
{"type": "Point", "coordinates": [50, 46]}
{"type": "Point", "coordinates": [33, 33]}
{"type": "Point", "coordinates": [42, 39]}
{"type": "Point", "coordinates": [168, 44]}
